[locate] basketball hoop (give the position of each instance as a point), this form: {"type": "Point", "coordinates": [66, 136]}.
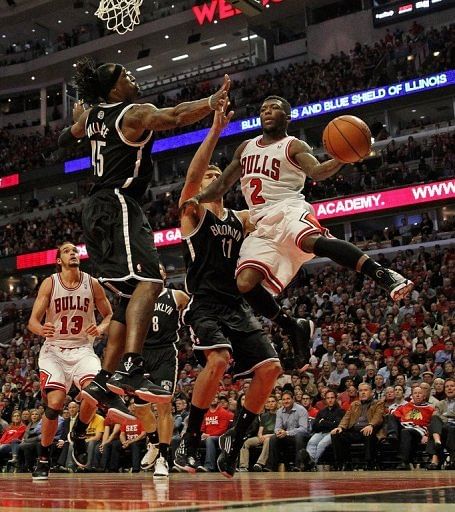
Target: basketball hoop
{"type": "Point", "coordinates": [120, 15]}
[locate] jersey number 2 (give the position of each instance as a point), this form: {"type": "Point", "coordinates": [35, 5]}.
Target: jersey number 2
{"type": "Point", "coordinates": [78, 321]}
{"type": "Point", "coordinates": [256, 197]}
{"type": "Point", "coordinates": [97, 157]}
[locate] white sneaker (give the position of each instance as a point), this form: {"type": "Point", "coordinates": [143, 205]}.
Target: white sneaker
{"type": "Point", "coordinates": [161, 468]}
{"type": "Point", "coordinates": [149, 459]}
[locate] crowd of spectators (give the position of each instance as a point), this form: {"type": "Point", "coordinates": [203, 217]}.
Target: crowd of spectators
{"type": "Point", "coordinates": [362, 68]}
{"type": "Point", "coordinates": [28, 235]}
{"type": "Point", "coordinates": [380, 373]}
{"type": "Point", "coordinates": [21, 153]}
{"type": "Point", "coordinates": [299, 83]}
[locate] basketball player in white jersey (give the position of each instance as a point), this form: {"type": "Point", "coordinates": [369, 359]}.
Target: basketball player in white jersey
{"type": "Point", "coordinates": [68, 298]}
{"type": "Point", "coordinates": [272, 169]}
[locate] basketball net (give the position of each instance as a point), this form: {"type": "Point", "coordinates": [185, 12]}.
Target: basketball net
{"type": "Point", "coordinates": [119, 15]}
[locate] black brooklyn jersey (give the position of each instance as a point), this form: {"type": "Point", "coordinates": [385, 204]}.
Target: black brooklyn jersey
{"type": "Point", "coordinates": [117, 162]}
{"type": "Point", "coordinates": [165, 324]}
{"type": "Point", "coordinates": [211, 253]}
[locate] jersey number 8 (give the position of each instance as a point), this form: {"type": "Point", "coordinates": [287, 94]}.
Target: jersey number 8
{"type": "Point", "coordinates": [155, 326]}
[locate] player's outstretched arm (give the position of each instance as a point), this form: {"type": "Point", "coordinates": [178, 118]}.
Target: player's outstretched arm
{"type": "Point", "coordinates": [203, 155]}
{"type": "Point", "coordinates": [39, 309]}
{"type": "Point", "coordinates": [218, 188]}
{"type": "Point", "coordinates": [149, 117]}
{"type": "Point", "coordinates": [71, 134]}
{"type": "Point", "coordinates": [301, 153]}
{"type": "Point", "coordinates": [104, 307]}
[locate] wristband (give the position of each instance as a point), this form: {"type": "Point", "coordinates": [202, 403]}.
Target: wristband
{"type": "Point", "coordinates": [210, 102]}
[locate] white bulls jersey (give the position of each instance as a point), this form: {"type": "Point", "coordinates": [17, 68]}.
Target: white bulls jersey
{"type": "Point", "coordinates": [71, 310]}
{"type": "Point", "coordinates": [269, 175]}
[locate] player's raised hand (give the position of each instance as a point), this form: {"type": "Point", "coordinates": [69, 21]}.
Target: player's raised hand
{"type": "Point", "coordinates": [92, 330]}
{"type": "Point", "coordinates": [222, 117]}
{"type": "Point", "coordinates": [78, 110]}
{"type": "Point", "coordinates": [216, 99]}
{"type": "Point", "coordinates": [48, 329]}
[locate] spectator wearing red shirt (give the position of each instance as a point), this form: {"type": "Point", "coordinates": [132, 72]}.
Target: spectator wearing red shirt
{"type": "Point", "coordinates": [347, 397]}
{"type": "Point", "coordinates": [130, 445]}
{"type": "Point", "coordinates": [216, 422]}
{"type": "Point", "coordinates": [11, 435]}
{"type": "Point", "coordinates": [409, 423]}
{"type": "Point", "coordinates": [307, 402]}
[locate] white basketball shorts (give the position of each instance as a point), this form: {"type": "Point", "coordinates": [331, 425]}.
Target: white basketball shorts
{"type": "Point", "coordinates": [273, 248]}
{"type": "Point", "coordinates": [60, 367]}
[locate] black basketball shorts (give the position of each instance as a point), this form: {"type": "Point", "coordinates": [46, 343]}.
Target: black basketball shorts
{"type": "Point", "coordinates": [234, 327]}
{"type": "Point", "coordinates": [161, 364]}
{"type": "Point", "coordinates": [119, 241]}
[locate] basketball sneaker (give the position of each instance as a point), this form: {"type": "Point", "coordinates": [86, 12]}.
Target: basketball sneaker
{"type": "Point", "coordinates": [150, 457]}
{"type": "Point", "coordinates": [186, 455]}
{"type": "Point", "coordinates": [130, 380]}
{"type": "Point", "coordinates": [80, 455]}
{"type": "Point", "coordinates": [99, 396]}
{"type": "Point", "coordinates": [161, 468]}
{"type": "Point", "coordinates": [227, 460]}
{"type": "Point", "coordinates": [397, 285]}
{"type": "Point", "coordinates": [41, 471]}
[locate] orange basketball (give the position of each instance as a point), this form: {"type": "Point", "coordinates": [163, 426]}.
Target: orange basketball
{"type": "Point", "coordinates": [347, 138]}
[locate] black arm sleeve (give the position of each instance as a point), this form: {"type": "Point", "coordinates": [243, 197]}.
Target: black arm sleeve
{"type": "Point", "coordinates": [66, 138]}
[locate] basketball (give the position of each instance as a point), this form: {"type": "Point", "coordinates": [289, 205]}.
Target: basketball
{"type": "Point", "coordinates": [347, 138]}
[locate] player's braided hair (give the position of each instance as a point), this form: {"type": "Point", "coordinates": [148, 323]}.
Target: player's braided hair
{"type": "Point", "coordinates": [86, 81]}
{"type": "Point", "coordinates": [94, 83]}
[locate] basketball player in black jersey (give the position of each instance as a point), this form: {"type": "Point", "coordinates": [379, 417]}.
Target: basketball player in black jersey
{"type": "Point", "coordinates": [221, 322]}
{"type": "Point", "coordinates": [160, 362]}
{"type": "Point", "coordinates": [117, 233]}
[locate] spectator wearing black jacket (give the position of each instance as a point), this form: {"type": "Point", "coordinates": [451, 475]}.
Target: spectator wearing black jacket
{"type": "Point", "coordinates": [353, 372]}
{"type": "Point", "coordinates": [326, 420]}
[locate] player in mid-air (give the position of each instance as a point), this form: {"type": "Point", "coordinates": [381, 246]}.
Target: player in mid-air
{"type": "Point", "coordinates": [68, 298]}
{"type": "Point", "coordinates": [221, 322]}
{"type": "Point", "coordinates": [117, 234]}
{"type": "Point", "coordinates": [160, 362]}
{"type": "Point", "coordinates": [272, 169]}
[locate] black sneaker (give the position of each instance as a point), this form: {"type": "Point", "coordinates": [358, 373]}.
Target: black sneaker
{"type": "Point", "coordinates": [80, 455]}
{"type": "Point", "coordinates": [397, 285]}
{"type": "Point", "coordinates": [41, 471]}
{"type": "Point", "coordinates": [300, 335]}
{"type": "Point", "coordinates": [99, 396]}
{"type": "Point", "coordinates": [227, 460]}
{"type": "Point", "coordinates": [186, 455]}
{"type": "Point", "coordinates": [130, 380]}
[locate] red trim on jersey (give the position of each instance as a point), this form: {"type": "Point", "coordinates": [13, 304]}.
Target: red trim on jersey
{"type": "Point", "coordinates": [90, 376]}
{"type": "Point", "coordinates": [289, 157]}
{"type": "Point", "coordinates": [305, 233]}
{"type": "Point", "coordinates": [273, 281]}
{"type": "Point", "coordinates": [45, 382]}
{"type": "Point", "coordinates": [71, 289]}
{"type": "Point", "coordinates": [260, 145]}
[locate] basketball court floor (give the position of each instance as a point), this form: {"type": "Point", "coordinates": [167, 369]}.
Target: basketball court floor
{"type": "Point", "coordinates": [410, 491]}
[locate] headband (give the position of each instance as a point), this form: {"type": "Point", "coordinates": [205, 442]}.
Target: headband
{"type": "Point", "coordinates": [107, 77]}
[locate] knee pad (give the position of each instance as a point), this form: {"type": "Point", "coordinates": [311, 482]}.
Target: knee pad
{"type": "Point", "coordinates": [51, 414]}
